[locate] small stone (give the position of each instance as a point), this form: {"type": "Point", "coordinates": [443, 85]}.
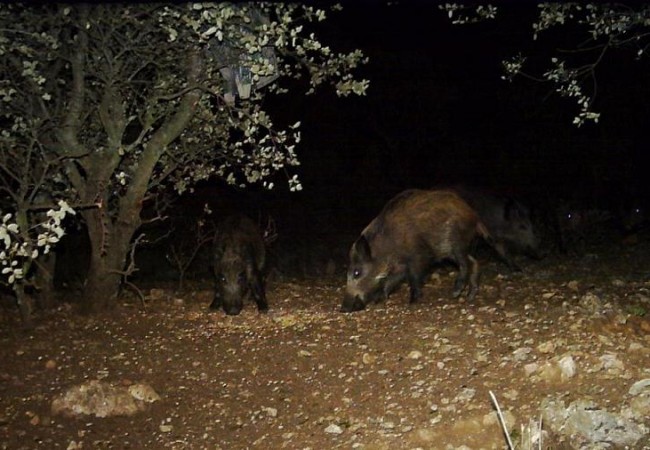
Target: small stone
{"type": "Point", "coordinates": [166, 428]}
{"type": "Point", "coordinates": [550, 373]}
{"type": "Point", "coordinates": [415, 354]}
{"type": "Point", "coordinates": [425, 435]}
{"type": "Point", "coordinates": [573, 285]}
{"type": "Point", "coordinates": [611, 362]}
{"type": "Point", "coordinates": [50, 364]}
{"type": "Point", "coordinates": [531, 368]}
{"type": "Point", "coordinates": [465, 395]}
{"type": "Point", "coordinates": [143, 392]}
{"type": "Point", "coordinates": [546, 347]}
{"type": "Point", "coordinates": [334, 429]}
{"type": "Point", "coordinates": [567, 366]}
{"type": "Point", "coordinates": [271, 412]}
{"type": "Point", "coordinates": [635, 347]}
{"type": "Point", "coordinates": [521, 353]}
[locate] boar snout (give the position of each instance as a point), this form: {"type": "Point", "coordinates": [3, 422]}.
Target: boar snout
{"type": "Point", "coordinates": [352, 304]}
{"type": "Point", "coordinates": [232, 310]}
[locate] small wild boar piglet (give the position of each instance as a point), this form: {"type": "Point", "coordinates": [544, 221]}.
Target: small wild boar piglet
{"type": "Point", "coordinates": [414, 230]}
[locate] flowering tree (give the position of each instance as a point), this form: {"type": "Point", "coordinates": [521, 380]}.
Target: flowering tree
{"type": "Point", "coordinates": [21, 245]}
{"type": "Point", "coordinates": [109, 104]}
{"type": "Point", "coordinates": [603, 27]}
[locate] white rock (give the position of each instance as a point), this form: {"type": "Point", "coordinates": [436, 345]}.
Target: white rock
{"type": "Point", "coordinates": [531, 368]}
{"type": "Point", "coordinates": [271, 412]}
{"type": "Point", "coordinates": [641, 406]}
{"type": "Point", "coordinates": [144, 392]}
{"type": "Point", "coordinates": [521, 353]}
{"type": "Point", "coordinates": [635, 347]}
{"type": "Point", "coordinates": [640, 386]}
{"type": "Point", "coordinates": [567, 366]}
{"type": "Point", "coordinates": [546, 347]}
{"type": "Point", "coordinates": [334, 429]}
{"type": "Point", "coordinates": [611, 361]}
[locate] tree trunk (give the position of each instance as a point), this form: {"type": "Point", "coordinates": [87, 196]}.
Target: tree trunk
{"type": "Point", "coordinates": [110, 244]}
{"type": "Point", "coordinates": [24, 304]}
{"type": "Point", "coordinates": [44, 281]}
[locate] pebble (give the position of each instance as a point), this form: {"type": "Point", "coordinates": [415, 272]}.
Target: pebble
{"type": "Point", "coordinates": [334, 429]}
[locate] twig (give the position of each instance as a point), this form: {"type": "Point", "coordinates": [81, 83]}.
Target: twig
{"type": "Point", "coordinates": [131, 268]}
{"type": "Point", "coordinates": [502, 420]}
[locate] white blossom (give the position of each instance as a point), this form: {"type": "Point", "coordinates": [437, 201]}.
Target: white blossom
{"type": "Point", "coordinates": [18, 248]}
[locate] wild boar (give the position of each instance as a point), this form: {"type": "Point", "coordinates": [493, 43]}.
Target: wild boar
{"type": "Point", "coordinates": [508, 222]}
{"type": "Point", "coordinates": [634, 219]}
{"type": "Point", "coordinates": [238, 265]}
{"type": "Point", "coordinates": [580, 228]}
{"type": "Point", "coordinates": [414, 230]}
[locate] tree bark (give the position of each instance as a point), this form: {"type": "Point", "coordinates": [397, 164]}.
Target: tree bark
{"type": "Point", "coordinates": [44, 281]}
{"type": "Point", "coordinates": [110, 244]}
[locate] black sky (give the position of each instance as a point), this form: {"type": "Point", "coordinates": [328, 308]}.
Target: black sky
{"type": "Point", "coordinates": [437, 113]}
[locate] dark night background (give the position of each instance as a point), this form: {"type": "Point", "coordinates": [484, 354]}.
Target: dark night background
{"type": "Point", "coordinates": [437, 113]}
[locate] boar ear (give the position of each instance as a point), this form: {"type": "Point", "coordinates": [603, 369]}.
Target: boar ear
{"type": "Point", "coordinates": [361, 249]}
{"type": "Point", "coordinates": [390, 266]}
{"type": "Point", "coordinates": [384, 270]}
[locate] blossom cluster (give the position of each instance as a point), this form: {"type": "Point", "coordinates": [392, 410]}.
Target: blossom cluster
{"type": "Point", "coordinates": [18, 248]}
{"type": "Point", "coordinates": [462, 14]}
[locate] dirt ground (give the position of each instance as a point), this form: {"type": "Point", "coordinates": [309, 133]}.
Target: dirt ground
{"type": "Point", "coordinates": [305, 376]}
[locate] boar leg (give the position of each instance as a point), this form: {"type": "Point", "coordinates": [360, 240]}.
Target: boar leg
{"type": "Point", "coordinates": [258, 292]}
{"type": "Point", "coordinates": [500, 248]}
{"type": "Point", "coordinates": [473, 278]}
{"type": "Point", "coordinates": [463, 270]}
{"type": "Point", "coordinates": [415, 274]}
{"type": "Point", "coordinates": [391, 282]}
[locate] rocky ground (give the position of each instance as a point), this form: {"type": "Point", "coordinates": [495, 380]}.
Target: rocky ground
{"type": "Point", "coordinates": [566, 343]}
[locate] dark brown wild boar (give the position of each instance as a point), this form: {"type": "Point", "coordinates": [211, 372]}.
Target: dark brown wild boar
{"type": "Point", "coordinates": [238, 265]}
{"type": "Point", "coordinates": [508, 222]}
{"type": "Point", "coordinates": [414, 230]}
